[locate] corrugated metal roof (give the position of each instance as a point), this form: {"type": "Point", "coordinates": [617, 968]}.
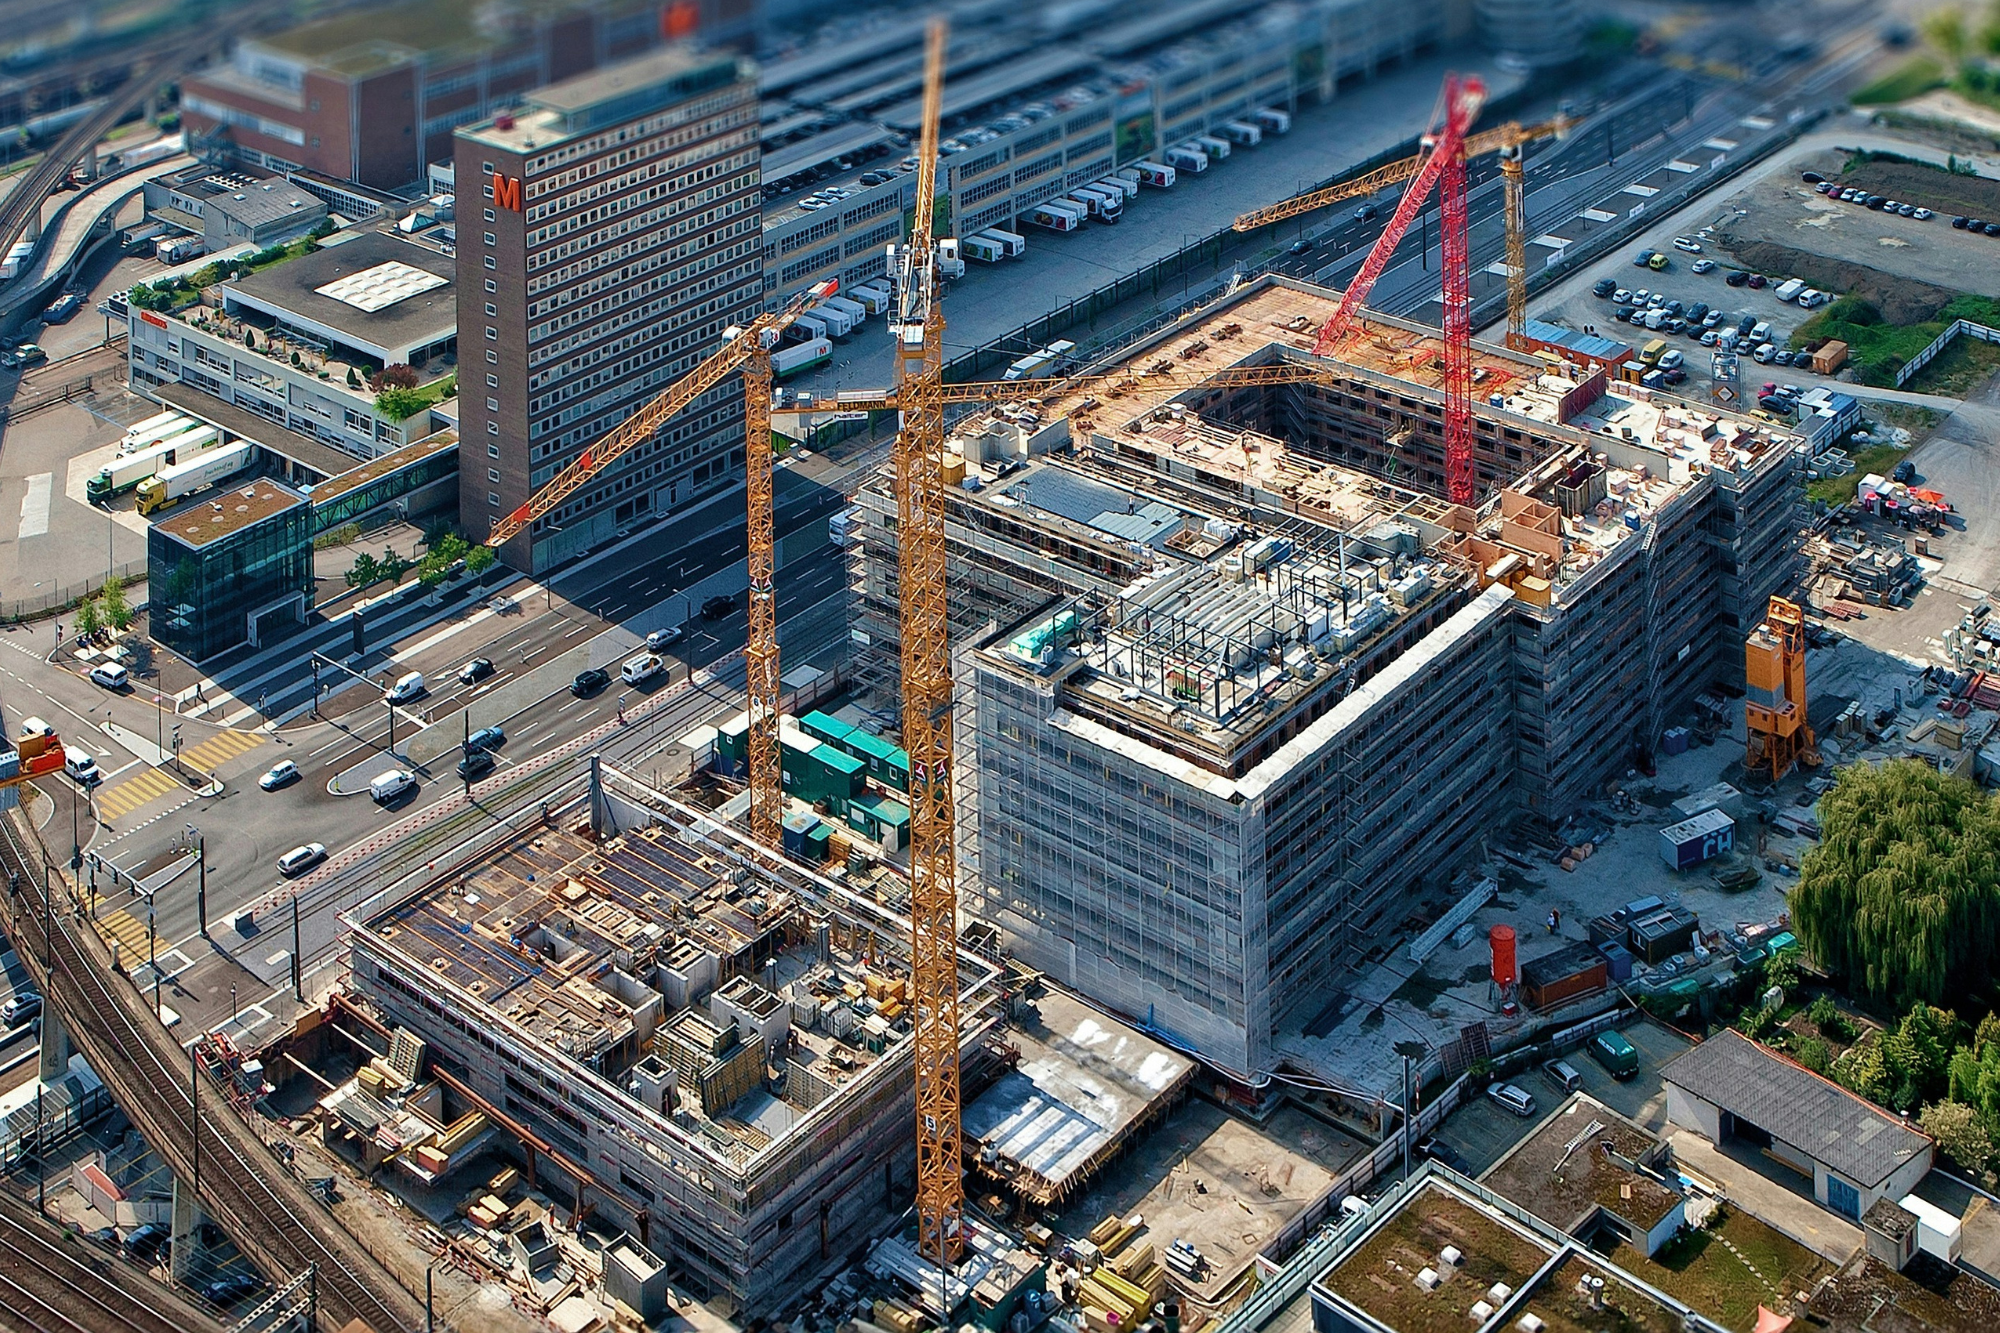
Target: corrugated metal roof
{"type": "Point", "coordinates": [1588, 344]}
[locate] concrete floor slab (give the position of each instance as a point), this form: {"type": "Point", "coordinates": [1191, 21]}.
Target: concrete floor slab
{"type": "Point", "coordinates": [1773, 1193]}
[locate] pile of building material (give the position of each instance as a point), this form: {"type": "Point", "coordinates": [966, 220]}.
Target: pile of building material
{"type": "Point", "coordinates": [1121, 1281]}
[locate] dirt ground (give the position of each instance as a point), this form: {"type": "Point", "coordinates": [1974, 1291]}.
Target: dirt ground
{"type": "Point", "coordinates": [1940, 191]}
{"type": "Point", "coordinates": [1901, 300]}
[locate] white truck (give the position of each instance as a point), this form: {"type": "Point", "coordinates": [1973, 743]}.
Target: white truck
{"type": "Point", "coordinates": [1242, 133]}
{"type": "Point", "coordinates": [1217, 149]}
{"type": "Point", "coordinates": [1182, 157]}
{"type": "Point", "coordinates": [126, 471]}
{"type": "Point", "coordinates": [1272, 120]}
{"type": "Point", "coordinates": [982, 248]}
{"type": "Point", "coordinates": [1789, 288]}
{"type": "Point", "coordinates": [1099, 205]}
{"type": "Point", "coordinates": [170, 484]}
{"type": "Point", "coordinates": [152, 430]}
{"type": "Point", "coordinates": [1056, 215]}
{"type": "Point", "coordinates": [1040, 365]}
{"type": "Point", "coordinates": [1160, 175]}
{"type": "Point", "coordinates": [950, 263]}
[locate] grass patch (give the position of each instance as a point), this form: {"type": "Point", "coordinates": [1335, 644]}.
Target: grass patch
{"type": "Point", "coordinates": [1879, 459]}
{"type": "Point", "coordinates": [1958, 369]}
{"type": "Point", "coordinates": [1876, 348]}
{"type": "Point", "coordinates": [1718, 1283]}
{"type": "Point", "coordinates": [1914, 77]}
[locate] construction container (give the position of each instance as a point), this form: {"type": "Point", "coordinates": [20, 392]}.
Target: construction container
{"type": "Point", "coordinates": [1693, 841]}
{"type": "Point", "coordinates": [1617, 962]}
{"type": "Point", "coordinates": [795, 828]}
{"type": "Point", "coordinates": [826, 730]}
{"type": "Point", "coordinates": [1674, 740]}
{"type": "Point", "coordinates": [1662, 934]}
{"type": "Point", "coordinates": [1721, 797]}
{"type": "Point", "coordinates": [1576, 969]}
{"type": "Point", "coordinates": [1830, 357]}
{"type": "Point", "coordinates": [732, 741]}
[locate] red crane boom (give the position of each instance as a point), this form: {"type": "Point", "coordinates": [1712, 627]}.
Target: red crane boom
{"type": "Point", "coordinates": [1444, 169]}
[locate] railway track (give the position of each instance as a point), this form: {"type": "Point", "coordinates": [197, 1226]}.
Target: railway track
{"type": "Point", "coordinates": [242, 1186]}
{"type": "Point", "coordinates": [61, 1287]}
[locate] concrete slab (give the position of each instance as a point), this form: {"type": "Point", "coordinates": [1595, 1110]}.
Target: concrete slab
{"type": "Point", "coordinates": [1775, 1194]}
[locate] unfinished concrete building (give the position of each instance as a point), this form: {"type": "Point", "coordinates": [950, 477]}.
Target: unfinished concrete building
{"type": "Point", "coordinates": [1282, 685]}
{"type": "Point", "coordinates": [715, 1041]}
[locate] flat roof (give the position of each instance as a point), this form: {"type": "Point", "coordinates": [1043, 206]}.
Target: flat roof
{"type": "Point", "coordinates": [1563, 1173]}
{"type": "Point", "coordinates": [836, 142]}
{"type": "Point", "coordinates": [249, 197]}
{"type": "Point", "coordinates": [1009, 79]}
{"type": "Point", "coordinates": [214, 514]}
{"type": "Point", "coordinates": [1849, 1135]}
{"type": "Point", "coordinates": [611, 95]}
{"type": "Point", "coordinates": [1084, 1082]}
{"type": "Point", "coordinates": [413, 304]}
{"type": "Point", "coordinates": [1379, 1276]}
{"type": "Point", "coordinates": [364, 40]}
{"type": "Point", "coordinates": [377, 468]}
{"type": "Point", "coordinates": [283, 441]}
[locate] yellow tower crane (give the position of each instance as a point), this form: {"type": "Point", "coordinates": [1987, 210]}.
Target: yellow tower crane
{"type": "Point", "coordinates": [1507, 140]}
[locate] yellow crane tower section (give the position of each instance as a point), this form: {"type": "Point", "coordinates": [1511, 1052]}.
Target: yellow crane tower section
{"type": "Point", "coordinates": [1774, 702]}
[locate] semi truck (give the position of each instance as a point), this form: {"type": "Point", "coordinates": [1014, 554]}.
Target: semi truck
{"type": "Point", "coordinates": [170, 484]}
{"type": "Point", "coordinates": [1056, 215]}
{"type": "Point", "coordinates": [17, 256]}
{"type": "Point", "coordinates": [127, 471]}
{"type": "Point", "coordinates": [1040, 365]}
{"type": "Point", "coordinates": [1181, 157]}
{"type": "Point", "coordinates": [1160, 175]}
{"type": "Point", "coordinates": [800, 357]}
{"type": "Point", "coordinates": [1272, 120]}
{"type": "Point", "coordinates": [1103, 205]}
{"type": "Point", "coordinates": [1242, 133]}
{"type": "Point", "coordinates": [153, 429]}
{"type": "Point", "coordinates": [950, 263]}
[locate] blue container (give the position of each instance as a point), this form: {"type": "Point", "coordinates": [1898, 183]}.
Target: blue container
{"type": "Point", "coordinates": [1620, 960]}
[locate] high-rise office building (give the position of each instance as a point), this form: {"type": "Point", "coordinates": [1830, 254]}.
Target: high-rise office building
{"type": "Point", "coordinates": [613, 235]}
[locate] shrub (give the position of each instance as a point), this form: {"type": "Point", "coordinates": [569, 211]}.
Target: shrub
{"type": "Point", "coordinates": [1813, 1053]}
{"type": "Point", "coordinates": [394, 377]}
{"type": "Point", "coordinates": [400, 404]}
{"type": "Point", "coordinates": [1958, 1130]}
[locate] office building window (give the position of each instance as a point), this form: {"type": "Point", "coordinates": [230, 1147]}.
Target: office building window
{"type": "Point", "coordinates": [489, 238]}
{"type": "Point", "coordinates": [493, 475]}
{"type": "Point", "coordinates": [492, 286]}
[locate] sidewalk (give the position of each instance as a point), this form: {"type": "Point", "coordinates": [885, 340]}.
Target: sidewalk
{"type": "Point", "coordinates": [1787, 1211]}
{"type": "Point", "coordinates": [146, 752]}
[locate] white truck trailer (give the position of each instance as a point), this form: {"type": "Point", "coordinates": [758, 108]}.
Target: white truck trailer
{"type": "Point", "coordinates": [170, 484]}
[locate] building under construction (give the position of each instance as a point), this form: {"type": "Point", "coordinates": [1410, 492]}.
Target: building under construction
{"type": "Point", "coordinates": [1241, 683]}
{"type": "Point", "coordinates": [709, 1045]}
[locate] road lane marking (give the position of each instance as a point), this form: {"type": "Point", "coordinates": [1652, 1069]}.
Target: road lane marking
{"type": "Point", "coordinates": [35, 505]}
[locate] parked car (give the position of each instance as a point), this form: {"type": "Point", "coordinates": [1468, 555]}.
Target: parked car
{"type": "Point", "coordinates": [280, 774]}
{"type": "Point", "coordinates": [1643, 259]}
{"type": "Point", "coordinates": [478, 669]}
{"type": "Point", "coordinates": [1923, 215]}
{"type": "Point", "coordinates": [1737, 278]}
{"type": "Point", "coordinates": [1658, 263]}
{"type": "Point", "coordinates": [1959, 223]}
{"type": "Point", "coordinates": [1703, 266]}
{"type": "Point", "coordinates": [1991, 229]}
{"type": "Point", "coordinates": [1678, 375]}
{"type": "Point", "coordinates": [1563, 1074]}
{"type": "Point", "coordinates": [1758, 281]}
{"type": "Point", "coordinates": [1906, 472]}
{"type": "Point", "coordinates": [1605, 286]}
{"type": "Point", "coordinates": [1512, 1098]}
{"type": "Point", "coordinates": [1437, 1150]}
{"type": "Point", "coordinates": [589, 682]}
{"type": "Point", "coordinates": [1618, 1056]}
{"type": "Point", "coordinates": [145, 1240]}
{"type": "Point", "coordinates": [229, 1290]}
{"type": "Point", "coordinates": [110, 675]}
{"type": "Point", "coordinates": [1811, 177]}
{"type": "Point", "coordinates": [21, 1008]}
{"type": "Point", "coordinates": [301, 859]}
{"type": "Point", "coordinates": [1687, 245]}
{"type": "Point", "coordinates": [1622, 296]}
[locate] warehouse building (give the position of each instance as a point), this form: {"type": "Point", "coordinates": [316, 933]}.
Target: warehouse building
{"type": "Point", "coordinates": [1248, 686]}
{"type": "Point", "coordinates": [712, 1045]}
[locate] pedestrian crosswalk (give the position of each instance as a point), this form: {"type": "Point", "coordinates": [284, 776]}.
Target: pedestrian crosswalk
{"type": "Point", "coordinates": [122, 798]}
{"type": "Point", "coordinates": [128, 932]}
{"type": "Point", "coordinates": [218, 749]}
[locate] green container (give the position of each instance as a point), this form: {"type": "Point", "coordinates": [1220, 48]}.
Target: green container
{"type": "Point", "coordinates": [827, 730]}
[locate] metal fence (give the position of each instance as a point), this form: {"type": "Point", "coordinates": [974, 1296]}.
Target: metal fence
{"type": "Point", "coordinates": [1959, 328]}
{"type": "Point", "coordinates": [61, 597]}
{"type": "Point", "coordinates": [67, 392]}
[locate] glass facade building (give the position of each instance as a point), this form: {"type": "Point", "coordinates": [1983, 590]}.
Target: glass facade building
{"type": "Point", "coordinates": [232, 567]}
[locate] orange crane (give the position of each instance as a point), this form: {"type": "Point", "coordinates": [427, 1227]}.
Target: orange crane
{"type": "Point", "coordinates": [747, 350]}
{"type": "Point", "coordinates": [1507, 140]}
{"type": "Point", "coordinates": [1774, 703]}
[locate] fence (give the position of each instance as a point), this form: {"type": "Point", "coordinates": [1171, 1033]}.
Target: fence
{"type": "Point", "coordinates": [63, 596]}
{"type": "Point", "coordinates": [68, 392]}
{"type": "Point", "coordinates": [1958, 327]}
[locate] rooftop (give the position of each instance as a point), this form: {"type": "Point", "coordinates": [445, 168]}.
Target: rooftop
{"type": "Point", "coordinates": [249, 197]}
{"type": "Point", "coordinates": [377, 468]}
{"type": "Point", "coordinates": [1818, 1116]}
{"type": "Point", "coordinates": [631, 88]}
{"type": "Point", "coordinates": [309, 453]}
{"type": "Point", "coordinates": [367, 41]}
{"type": "Point", "coordinates": [375, 291]}
{"type": "Point", "coordinates": [1083, 1084]}
{"type": "Point", "coordinates": [1928, 1294]}
{"type": "Point", "coordinates": [1582, 1159]}
{"type": "Point", "coordinates": [215, 514]}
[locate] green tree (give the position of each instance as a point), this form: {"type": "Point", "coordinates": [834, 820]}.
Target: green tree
{"type": "Point", "coordinates": [88, 619]}
{"type": "Point", "coordinates": [1901, 898]}
{"type": "Point", "coordinates": [1813, 1053]}
{"type": "Point", "coordinates": [401, 404]}
{"type": "Point", "coordinates": [367, 569]}
{"type": "Point", "coordinates": [1916, 1057]}
{"type": "Point", "coordinates": [480, 559]}
{"type": "Point", "coordinates": [1960, 1132]}
{"type": "Point", "coordinates": [116, 609]}
{"type": "Point", "coordinates": [1860, 1070]}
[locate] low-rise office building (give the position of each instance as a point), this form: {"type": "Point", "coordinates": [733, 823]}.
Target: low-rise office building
{"type": "Point", "coordinates": [232, 207]}
{"type": "Point", "coordinates": [230, 566]}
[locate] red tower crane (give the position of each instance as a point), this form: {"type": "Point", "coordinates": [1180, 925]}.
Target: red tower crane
{"type": "Point", "coordinates": [1443, 168]}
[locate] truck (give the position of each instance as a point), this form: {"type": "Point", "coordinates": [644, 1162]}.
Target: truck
{"type": "Point", "coordinates": [1100, 205]}
{"type": "Point", "coordinates": [1182, 157]}
{"type": "Point", "coordinates": [126, 471]}
{"type": "Point", "coordinates": [873, 295]}
{"type": "Point", "coordinates": [1013, 243]}
{"type": "Point", "coordinates": [853, 309]}
{"type": "Point", "coordinates": [164, 487]}
{"type": "Point", "coordinates": [800, 357]}
{"type": "Point", "coordinates": [982, 248]}
{"type": "Point", "coordinates": [1242, 133]}
{"type": "Point", "coordinates": [807, 327]}
{"type": "Point", "coordinates": [178, 249]}
{"type": "Point", "coordinates": [1160, 175]}
{"type": "Point", "coordinates": [1129, 189]}
{"type": "Point", "coordinates": [836, 323]}
{"type": "Point", "coordinates": [1789, 288]}
{"type": "Point", "coordinates": [16, 256]}
{"type": "Point", "coordinates": [1273, 120]}
{"type": "Point", "coordinates": [1056, 216]}
{"type": "Point", "coordinates": [152, 430]}
{"type": "Point", "coordinates": [950, 263]}
{"type": "Point", "coordinates": [62, 308]}
{"type": "Point", "coordinates": [1040, 365]}
{"type": "Point", "coordinates": [1218, 149]}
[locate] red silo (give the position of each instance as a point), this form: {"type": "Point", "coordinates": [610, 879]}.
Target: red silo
{"type": "Point", "coordinates": [1502, 937]}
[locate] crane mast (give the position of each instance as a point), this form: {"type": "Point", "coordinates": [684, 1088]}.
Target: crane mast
{"type": "Point", "coordinates": [918, 329]}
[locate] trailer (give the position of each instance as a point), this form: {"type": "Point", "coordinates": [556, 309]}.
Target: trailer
{"type": "Point", "coordinates": [851, 308]}
{"type": "Point", "coordinates": [152, 430]}
{"type": "Point", "coordinates": [800, 357]}
{"type": "Point", "coordinates": [1160, 175]}
{"type": "Point", "coordinates": [1242, 133]}
{"type": "Point", "coordinates": [1218, 149]}
{"type": "Point", "coordinates": [170, 484]}
{"type": "Point", "coordinates": [805, 328]}
{"type": "Point", "coordinates": [62, 308]}
{"type": "Point", "coordinates": [874, 296]}
{"type": "Point", "coordinates": [123, 473]}
{"type": "Point", "coordinates": [1040, 365]}
{"type": "Point", "coordinates": [178, 249]}
{"type": "Point", "coordinates": [16, 256]}
{"type": "Point", "coordinates": [1272, 120]}
{"type": "Point", "coordinates": [1056, 216]}
{"type": "Point", "coordinates": [1181, 157]}
{"type": "Point", "coordinates": [1127, 189]}
{"type": "Point", "coordinates": [1105, 205]}
{"type": "Point", "coordinates": [1012, 242]}
{"type": "Point", "coordinates": [982, 248]}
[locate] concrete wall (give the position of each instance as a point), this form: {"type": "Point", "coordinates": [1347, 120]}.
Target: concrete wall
{"type": "Point", "coordinates": [1691, 1112]}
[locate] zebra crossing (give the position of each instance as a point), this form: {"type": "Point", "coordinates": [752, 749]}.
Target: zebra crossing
{"type": "Point", "coordinates": [219, 749]}
{"type": "Point", "coordinates": [122, 798]}
{"type": "Point", "coordinates": [127, 931]}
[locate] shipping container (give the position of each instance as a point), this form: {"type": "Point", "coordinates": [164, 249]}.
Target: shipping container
{"type": "Point", "coordinates": [1576, 969]}
{"type": "Point", "coordinates": [164, 487]}
{"type": "Point", "coordinates": [1056, 216]}
{"type": "Point", "coordinates": [1159, 175]}
{"type": "Point", "coordinates": [1273, 120]}
{"type": "Point", "coordinates": [1188, 159]}
{"type": "Point", "coordinates": [1242, 134]}
{"type": "Point", "coordinates": [1012, 242]}
{"type": "Point", "coordinates": [853, 309]}
{"type": "Point", "coordinates": [1218, 150]}
{"type": "Point", "coordinates": [800, 357]}
{"type": "Point", "coordinates": [1693, 841]}
{"type": "Point", "coordinates": [1662, 934]}
{"type": "Point", "coordinates": [982, 249]}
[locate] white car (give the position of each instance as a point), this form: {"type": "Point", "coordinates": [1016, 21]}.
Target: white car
{"type": "Point", "coordinates": [1703, 266]}
{"type": "Point", "coordinates": [110, 675]}
{"type": "Point", "coordinates": [301, 859]}
{"type": "Point", "coordinates": [1687, 244]}
{"type": "Point", "coordinates": [1923, 215]}
{"type": "Point", "coordinates": [1764, 353]}
{"type": "Point", "coordinates": [282, 772]}
{"type": "Point", "coordinates": [672, 634]}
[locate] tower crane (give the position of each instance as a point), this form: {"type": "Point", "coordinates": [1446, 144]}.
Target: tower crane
{"type": "Point", "coordinates": [747, 350]}
{"type": "Point", "coordinates": [1508, 140]}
